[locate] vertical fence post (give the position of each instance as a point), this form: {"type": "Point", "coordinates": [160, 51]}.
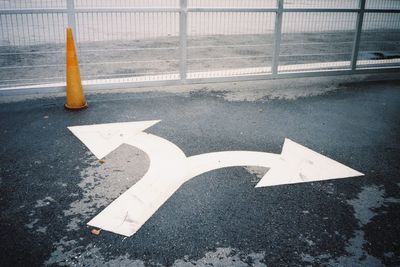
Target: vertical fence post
{"type": "Point", "coordinates": [277, 36]}
{"type": "Point", "coordinates": [183, 40]}
{"type": "Point", "coordinates": [71, 16]}
{"type": "Point", "coordinates": [357, 38]}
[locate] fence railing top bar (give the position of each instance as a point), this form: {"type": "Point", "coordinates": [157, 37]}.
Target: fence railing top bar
{"type": "Point", "coordinates": [351, 10]}
{"type": "Point", "coordinates": [319, 10]}
{"type": "Point", "coordinates": [288, 9]}
{"type": "Point", "coordinates": [126, 9]}
{"type": "Point", "coordinates": [231, 9]}
{"type": "Point", "coordinates": [89, 10]}
{"type": "Point", "coordinates": [32, 11]}
{"type": "Point", "coordinates": [196, 9]}
{"type": "Point", "coordinates": [375, 10]}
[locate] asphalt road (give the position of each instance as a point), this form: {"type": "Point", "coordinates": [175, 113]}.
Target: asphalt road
{"type": "Point", "coordinates": [50, 185]}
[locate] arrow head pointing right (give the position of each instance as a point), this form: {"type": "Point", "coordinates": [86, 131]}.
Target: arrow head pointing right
{"type": "Point", "coordinates": [300, 164]}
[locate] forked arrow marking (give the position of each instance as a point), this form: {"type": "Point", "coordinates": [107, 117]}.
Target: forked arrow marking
{"type": "Point", "coordinates": [170, 169]}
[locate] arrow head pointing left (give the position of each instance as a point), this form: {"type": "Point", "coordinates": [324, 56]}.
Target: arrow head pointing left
{"type": "Point", "coordinates": [102, 139]}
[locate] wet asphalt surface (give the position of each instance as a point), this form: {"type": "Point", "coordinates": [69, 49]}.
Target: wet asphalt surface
{"type": "Point", "coordinates": [291, 225]}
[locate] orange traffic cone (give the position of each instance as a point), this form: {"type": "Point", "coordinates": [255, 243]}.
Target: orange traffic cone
{"type": "Point", "coordinates": [75, 97]}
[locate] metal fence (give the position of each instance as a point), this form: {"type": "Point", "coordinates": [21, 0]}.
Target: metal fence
{"type": "Point", "coordinates": [126, 43]}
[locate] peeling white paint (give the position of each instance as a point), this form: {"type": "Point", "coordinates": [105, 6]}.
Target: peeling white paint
{"type": "Point", "coordinates": [68, 253]}
{"type": "Point", "coordinates": [44, 202]}
{"type": "Point", "coordinates": [31, 224]}
{"type": "Point", "coordinates": [365, 206]}
{"type": "Point", "coordinates": [368, 199]}
{"type": "Point", "coordinates": [224, 257]}
{"type": "Point", "coordinates": [102, 183]}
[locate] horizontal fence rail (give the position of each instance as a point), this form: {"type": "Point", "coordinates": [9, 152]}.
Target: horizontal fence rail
{"type": "Point", "coordinates": [127, 43]}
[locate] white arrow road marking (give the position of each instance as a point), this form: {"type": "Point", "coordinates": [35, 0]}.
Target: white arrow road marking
{"type": "Point", "coordinates": [300, 164]}
{"type": "Point", "coordinates": [170, 169]}
{"type": "Point", "coordinates": [102, 139]}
